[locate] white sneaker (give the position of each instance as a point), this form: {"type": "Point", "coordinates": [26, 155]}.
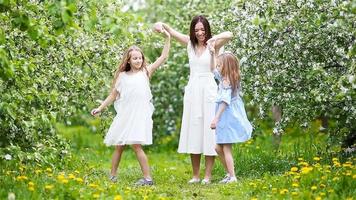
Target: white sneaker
{"type": "Point", "coordinates": [231, 180]}
{"type": "Point", "coordinates": [194, 180]}
{"type": "Point", "coordinates": [227, 176]}
{"type": "Point", "coordinates": [205, 181]}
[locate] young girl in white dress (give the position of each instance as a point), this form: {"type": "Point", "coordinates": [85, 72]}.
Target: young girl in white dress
{"type": "Point", "coordinates": [132, 96]}
{"type": "Point", "coordinates": [196, 137]}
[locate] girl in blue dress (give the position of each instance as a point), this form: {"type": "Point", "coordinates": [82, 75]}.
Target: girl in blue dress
{"type": "Point", "coordinates": [230, 123]}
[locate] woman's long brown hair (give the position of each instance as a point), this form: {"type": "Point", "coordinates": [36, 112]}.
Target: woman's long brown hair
{"type": "Point", "coordinates": [125, 66]}
{"type": "Point", "coordinates": [230, 69]}
{"type": "Point", "coordinates": [205, 22]}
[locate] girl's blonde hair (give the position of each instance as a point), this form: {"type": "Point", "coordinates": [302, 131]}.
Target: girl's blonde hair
{"type": "Point", "coordinates": [230, 69]}
{"type": "Point", "coordinates": [125, 66]}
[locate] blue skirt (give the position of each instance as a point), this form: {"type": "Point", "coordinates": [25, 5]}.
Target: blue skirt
{"type": "Point", "coordinates": [233, 126]}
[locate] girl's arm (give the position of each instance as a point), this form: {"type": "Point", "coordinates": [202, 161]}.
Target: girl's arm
{"type": "Point", "coordinates": [180, 37]}
{"type": "Point", "coordinates": [220, 39]}
{"type": "Point", "coordinates": [112, 96]}
{"type": "Point", "coordinates": [221, 109]}
{"type": "Point", "coordinates": [151, 68]}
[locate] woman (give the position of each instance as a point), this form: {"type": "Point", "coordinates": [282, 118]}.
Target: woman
{"type": "Point", "coordinates": [196, 137]}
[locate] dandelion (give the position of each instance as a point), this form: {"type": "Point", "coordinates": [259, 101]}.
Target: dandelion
{"type": "Point", "coordinates": [335, 159]}
{"type": "Point", "coordinates": [31, 188]}
{"type": "Point", "coordinates": [96, 195]}
{"type": "Point", "coordinates": [60, 177]}
{"type": "Point", "coordinates": [31, 183]}
{"type": "Point", "coordinates": [64, 181]}
{"type": "Point", "coordinates": [322, 194]}
{"type": "Point", "coordinates": [306, 170]}
{"type": "Point", "coordinates": [118, 197]}
{"type": "Point", "coordinates": [316, 158]}
{"type": "Point", "coordinates": [38, 171]}
{"type": "Point", "coordinates": [354, 176]}
{"type": "Point", "coordinates": [76, 171]}
{"type": "Point", "coordinates": [313, 187]}
{"type": "Point", "coordinates": [295, 185]}
{"type": "Point", "coordinates": [49, 187]}
{"type": "Point", "coordinates": [274, 190]}
{"type": "Point", "coordinates": [317, 198]}
{"type": "Point", "coordinates": [322, 185]}
{"type": "Point", "coordinates": [336, 178]}
{"type": "Point", "coordinates": [294, 169]}
{"type": "Point", "coordinates": [92, 185]}
{"type": "Point", "coordinates": [71, 176]}
{"type": "Point", "coordinates": [49, 170]}
{"type": "Point", "coordinates": [283, 191]}
{"type": "Point", "coordinates": [79, 180]}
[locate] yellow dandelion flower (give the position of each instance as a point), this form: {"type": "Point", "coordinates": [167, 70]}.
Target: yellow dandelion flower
{"type": "Point", "coordinates": [60, 177]}
{"type": "Point", "coordinates": [349, 198]}
{"type": "Point", "coordinates": [335, 159]}
{"type": "Point", "coordinates": [283, 191]}
{"type": "Point", "coordinates": [92, 185]}
{"type": "Point", "coordinates": [118, 197]}
{"type": "Point", "coordinates": [313, 187]}
{"type": "Point", "coordinates": [295, 185]}
{"type": "Point", "coordinates": [64, 181]}
{"type": "Point", "coordinates": [71, 176]}
{"type": "Point", "coordinates": [322, 185]}
{"type": "Point", "coordinates": [31, 183]}
{"type": "Point", "coordinates": [346, 165]}
{"type": "Point", "coordinates": [253, 198]}
{"type": "Point", "coordinates": [48, 170]}
{"type": "Point", "coordinates": [316, 158]}
{"type": "Point", "coordinates": [76, 171]}
{"type": "Point", "coordinates": [354, 176]}
{"type": "Point", "coordinates": [96, 195]}
{"type": "Point", "coordinates": [296, 176]}
{"type": "Point", "coordinates": [79, 180]}
{"type": "Point", "coordinates": [38, 171]}
{"type": "Point", "coordinates": [294, 169]}
{"type": "Point", "coordinates": [336, 178]}
{"type": "Point", "coordinates": [49, 187]}
{"type": "Point", "coordinates": [31, 188]}
{"type": "Point", "coordinates": [322, 194]}
{"type": "Point", "coordinates": [317, 198]}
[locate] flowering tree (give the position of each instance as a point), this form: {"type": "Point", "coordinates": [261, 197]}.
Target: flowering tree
{"type": "Point", "coordinates": [299, 55]}
{"type": "Point", "coordinates": [55, 57]}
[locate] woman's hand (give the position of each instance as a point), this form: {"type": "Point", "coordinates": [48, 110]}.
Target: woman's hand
{"type": "Point", "coordinates": [158, 27]}
{"type": "Point", "coordinates": [214, 123]}
{"type": "Point", "coordinates": [95, 111]}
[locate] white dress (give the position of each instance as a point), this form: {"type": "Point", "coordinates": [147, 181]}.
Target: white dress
{"type": "Point", "coordinates": [196, 137]}
{"type": "Point", "coordinates": [133, 121]}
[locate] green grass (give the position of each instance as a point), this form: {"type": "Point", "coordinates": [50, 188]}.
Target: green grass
{"type": "Point", "coordinates": [264, 172]}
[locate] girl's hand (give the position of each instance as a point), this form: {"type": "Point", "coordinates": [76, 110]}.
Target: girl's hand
{"type": "Point", "coordinates": [211, 46]}
{"type": "Point", "coordinates": [214, 123]}
{"type": "Point", "coordinates": [167, 35]}
{"type": "Point", "coordinates": [158, 26]}
{"type": "Point", "coordinates": [95, 111]}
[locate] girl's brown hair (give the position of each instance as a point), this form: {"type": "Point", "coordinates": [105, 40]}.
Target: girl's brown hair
{"type": "Point", "coordinates": [205, 22]}
{"type": "Point", "coordinates": [230, 69]}
{"type": "Point", "coordinates": [125, 66]}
